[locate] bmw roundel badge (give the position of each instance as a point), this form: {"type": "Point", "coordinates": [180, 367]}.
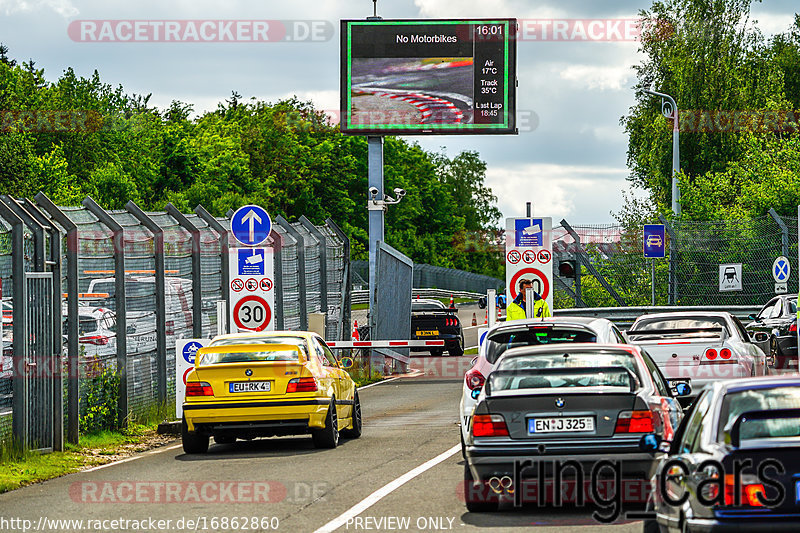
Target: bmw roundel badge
{"type": "Point", "coordinates": [248, 372]}
{"type": "Point", "coordinates": [560, 403]}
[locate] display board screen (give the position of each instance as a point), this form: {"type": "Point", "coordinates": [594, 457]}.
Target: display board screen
{"type": "Point", "coordinates": [428, 76]}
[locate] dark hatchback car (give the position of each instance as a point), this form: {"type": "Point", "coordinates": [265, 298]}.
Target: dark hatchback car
{"type": "Point", "coordinates": [431, 320]}
{"type": "Point", "coordinates": [752, 422]}
{"type": "Point", "coordinates": [583, 403]}
{"type": "Point", "coordinates": [778, 320]}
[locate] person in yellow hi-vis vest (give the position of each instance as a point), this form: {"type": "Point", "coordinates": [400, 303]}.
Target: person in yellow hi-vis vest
{"type": "Point", "coordinates": [516, 309]}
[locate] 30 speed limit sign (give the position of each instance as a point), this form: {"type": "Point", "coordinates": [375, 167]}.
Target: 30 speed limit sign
{"type": "Point", "coordinates": [252, 313]}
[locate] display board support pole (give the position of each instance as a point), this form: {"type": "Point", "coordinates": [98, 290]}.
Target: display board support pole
{"type": "Point", "coordinates": [376, 216]}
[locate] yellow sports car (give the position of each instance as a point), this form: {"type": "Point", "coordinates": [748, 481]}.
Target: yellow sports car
{"type": "Point", "coordinates": [265, 384]}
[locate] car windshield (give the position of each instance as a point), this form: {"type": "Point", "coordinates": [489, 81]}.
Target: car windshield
{"type": "Point", "coordinates": [663, 325]}
{"type": "Point", "coordinates": [736, 403]}
{"type": "Point", "coordinates": [426, 306]}
{"type": "Point", "coordinates": [561, 369]}
{"type": "Point", "coordinates": [792, 307]}
{"type": "Point", "coordinates": [247, 355]}
{"type": "Point", "coordinates": [501, 341]}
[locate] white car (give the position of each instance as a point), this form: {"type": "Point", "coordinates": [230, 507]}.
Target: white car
{"type": "Point", "coordinates": [702, 346]}
{"type": "Point", "coordinates": [530, 332]}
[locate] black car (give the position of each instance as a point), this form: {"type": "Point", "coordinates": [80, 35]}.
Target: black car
{"type": "Point", "coordinates": [431, 320]}
{"type": "Point", "coordinates": [778, 319]}
{"type": "Point", "coordinates": [734, 463]}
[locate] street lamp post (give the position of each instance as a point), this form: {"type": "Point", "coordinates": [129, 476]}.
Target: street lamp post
{"type": "Point", "coordinates": [670, 110]}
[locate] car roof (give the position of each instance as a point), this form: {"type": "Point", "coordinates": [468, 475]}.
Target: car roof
{"type": "Point", "coordinates": [761, 382]}
{"type": "Point", "coordinates": [559, 320]}
{"type": "Point", "coordinates": [686, 314]}
{"type": "Point", "coordinates": [261, 334]}
{"type": "Point", "coordinates": [577, 346]}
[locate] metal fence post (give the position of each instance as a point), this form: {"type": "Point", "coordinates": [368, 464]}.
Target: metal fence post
{"type": "Point", "coordinates": [197, 294]}
{"type": "Point", "coordinates": [120, 305]}
{"type": "Point", "coordinates": [323, 265]}
{"type": "Point", "coordinates": [347, 284]}
{"type": "Point", "coordinates": [277, 248]}
{"type": "Point", "coordinates": [301, 266]}
{"type": "Point", "coordinates": [54, 263]}
{"type": "Point", "coordinates": [673, 252]}
{"type": "Point", "coordinates": [784, 232]}
{"type": "Point", "coordinates": [161, 297]}
{"type": "Point", "coordinates": [73, 349]}
{"type": "Point", "coordinates": [37, 229]}
{"type": "Point", "coordinates": [19, 384]}
{"type": "Point", "coordinates": [589, 266]}
{"type": "Point", "coordinates": [224, 253]}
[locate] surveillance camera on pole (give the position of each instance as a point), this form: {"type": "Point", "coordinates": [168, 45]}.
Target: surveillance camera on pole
{"type": "Point", "coordinates": [373, 204]}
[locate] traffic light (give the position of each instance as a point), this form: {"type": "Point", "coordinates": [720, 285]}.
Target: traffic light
{"type": "Point", "coordinates": [566, 269]}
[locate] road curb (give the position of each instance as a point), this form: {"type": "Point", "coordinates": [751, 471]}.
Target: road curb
{"type": "Point", "coordinates": [169, 428]}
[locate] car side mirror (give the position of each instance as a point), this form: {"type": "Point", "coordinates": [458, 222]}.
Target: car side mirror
{"type": "Point", "coordinates": [345, 362]}
{"type": "Point", "coordinates": [474, 360]}
{"type": "Point", "coordinates": [752, 316]}
{"type": "Point", "coordinates": [680, 388]}
{"type": "Point", "coordinates": [760, 336]}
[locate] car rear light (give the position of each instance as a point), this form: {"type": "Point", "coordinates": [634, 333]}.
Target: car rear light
{"type": "Point", "coordinates": [489, 426]}
{"type": "Point", "coordinates": [97, 340]}
{"type": "Point", "coordinates": [725, 353]}
{"type": "Point", "coordinates": [634, 422]}
{"type": "Point", "coordinates": [301, 385]}
{"type": "Point", "coordinates": [793, 328]}
{"type": "Point", "coordinates": [748, 495]}
{"type": "Point", "coordinates": [474, 379]}
{"type": "Point", "coordinates": [199, 388]}
{"type": "Point", "coordinates": [711, 354]}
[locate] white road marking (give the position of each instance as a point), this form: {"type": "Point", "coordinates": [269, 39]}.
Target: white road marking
{"type": "Point", "coordinates": [384, 491]}
{"type": "Point", "coordinates": [378, 383]}
{"type": "Point", "coordinates": [129, 459]}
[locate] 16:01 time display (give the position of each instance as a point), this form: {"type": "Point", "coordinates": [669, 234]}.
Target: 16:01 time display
{"type": "Point", "coordinates": [489, 30]}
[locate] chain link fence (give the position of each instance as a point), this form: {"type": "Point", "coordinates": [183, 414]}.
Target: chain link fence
{"type": "Point", "coordinates": [614, 272]}
{"type": "Point", "coordinates": [142, 281]}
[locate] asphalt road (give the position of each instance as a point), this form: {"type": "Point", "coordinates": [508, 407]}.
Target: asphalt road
{"type": "Point", "coordinates": [408, 422]}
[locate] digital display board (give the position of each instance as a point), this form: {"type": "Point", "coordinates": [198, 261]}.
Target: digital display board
{"type": "Point", "coordinates": [418, 77]}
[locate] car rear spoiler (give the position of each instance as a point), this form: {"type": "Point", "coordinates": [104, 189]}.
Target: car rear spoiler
{"type": "Point", "coordinates": [632, 379]}
{"type": "Point", "coordinates": [734, 430]}
{"type": "Point", "coordinates": [721, 331]}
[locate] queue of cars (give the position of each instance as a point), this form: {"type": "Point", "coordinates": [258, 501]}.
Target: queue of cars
{"type": "Point", "coordinates": [581, 392]}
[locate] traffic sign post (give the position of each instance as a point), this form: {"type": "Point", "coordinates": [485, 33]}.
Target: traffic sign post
{"type": "Point", "coordinates": [781, 270]}
{"type": "Point", "coordinates": [529, 254]}
{"type": "Point", "coordinates": [252, 296]}
{"type": "Point", "coordinates": [250, 225]}
{"type": "Point", "coordinates": [185, 353]}
{"type": "Point", "coordinates": [654, 246]}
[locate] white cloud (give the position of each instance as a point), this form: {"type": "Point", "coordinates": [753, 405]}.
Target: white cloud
{"type": "Point", "coordinates": [579, 193]}
{"type": "Point", "coordinates": [62, 7]}
{"type": "Point", "coordinates": [616, 77]}
{"type": "Point", "coordinates": [772, 23]}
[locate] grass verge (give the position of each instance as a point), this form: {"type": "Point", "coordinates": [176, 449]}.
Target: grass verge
{"type": "Point", "coordinates": [19, 467]}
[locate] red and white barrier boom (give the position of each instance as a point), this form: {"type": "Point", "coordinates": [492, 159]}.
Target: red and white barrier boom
{"type": "Point", "coordinates": [383, 344]}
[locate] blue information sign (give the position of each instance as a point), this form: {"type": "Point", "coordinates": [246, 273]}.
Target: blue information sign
{"type": "Point", "coordinates": [251, 225]}
{"type": "Point", "coordinates": [654, 242]}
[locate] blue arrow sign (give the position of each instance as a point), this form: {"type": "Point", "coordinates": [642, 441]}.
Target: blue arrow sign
{"type": "Point", "coordinates": [251, 225]}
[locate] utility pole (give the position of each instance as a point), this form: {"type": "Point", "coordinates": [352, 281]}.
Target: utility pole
{"type": "Point", "coordinates": [670, 110]}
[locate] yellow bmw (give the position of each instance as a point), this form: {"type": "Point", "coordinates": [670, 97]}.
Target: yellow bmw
{"type": "Point", "coordinates": [265, 384]}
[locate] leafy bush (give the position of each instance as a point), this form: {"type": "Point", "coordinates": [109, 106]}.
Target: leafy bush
{"type": "Point", "coordinates": [98, 410]}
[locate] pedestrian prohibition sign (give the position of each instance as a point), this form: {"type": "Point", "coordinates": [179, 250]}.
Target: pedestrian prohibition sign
{"type": "Point", "coordinates": [252, 313]}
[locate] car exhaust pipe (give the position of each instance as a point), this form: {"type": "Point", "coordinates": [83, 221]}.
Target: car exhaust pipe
{"type": "Point", "coordinates": [500, 485]}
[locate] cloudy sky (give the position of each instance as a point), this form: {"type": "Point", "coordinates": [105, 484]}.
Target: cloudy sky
{"type": "Point", "coordinates": [571, 165]}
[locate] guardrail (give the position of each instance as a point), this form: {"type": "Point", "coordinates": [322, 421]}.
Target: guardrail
{"type": "Point", "coordinates": [625, 316]}
{"type": "Point", "coordinates": [362, 297]}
